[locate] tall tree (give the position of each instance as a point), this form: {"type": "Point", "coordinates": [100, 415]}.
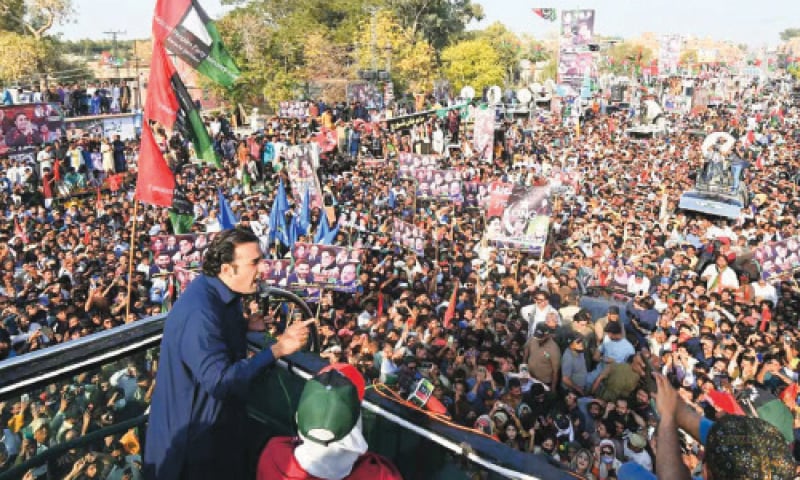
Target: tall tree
{"type": "Point", "coordinates": [472, 62]}
{"type": "Point", "coordinates": [36, 17]}
{"type": "Point", "coordinates": [441, 22]}
{"type": "Point", "coordinates": [790, 33]}
{"type": "Point", "coordinates": [391, 46]}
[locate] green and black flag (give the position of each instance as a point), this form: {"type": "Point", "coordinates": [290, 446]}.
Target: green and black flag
{"type": "Point", "coordinates": [186, 30]}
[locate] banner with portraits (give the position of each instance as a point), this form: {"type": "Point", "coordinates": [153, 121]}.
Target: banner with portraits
{"type": "Point", "coordinates": [524, 222]}
{"type": "Point", "coordinates": [302, 175]}
{"type": "Point", "coordinates": [177, 259]}
{"type": "Point", "coordinates": [483, 134]}
{"type": "Point", "coordinates": [574, 57]}
{"type": "Point", "coordinates": [316, 266]}
{"type": "Point", "coordinates": [23, 127]}
{"type": "Point", "coordinates": [439, 184]}
{"type": "Point", "coordinates": [409, 236]}
{"type": "Point", "coordinates": [407, 163]}
{"type": "Point", "coordinates": [779, 259]}
{"type": "Point", "coordinates": [293, 109]}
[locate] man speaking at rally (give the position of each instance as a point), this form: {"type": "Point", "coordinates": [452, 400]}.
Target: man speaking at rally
{"type": "Point", "coordinates": [198, 413]}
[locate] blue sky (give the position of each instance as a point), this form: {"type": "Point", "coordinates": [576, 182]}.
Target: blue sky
{"type": "Point", "coordinates": [754, 23]}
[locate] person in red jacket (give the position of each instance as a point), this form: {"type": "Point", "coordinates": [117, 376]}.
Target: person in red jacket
{"type": "Point", "coordinates": [330, 444]}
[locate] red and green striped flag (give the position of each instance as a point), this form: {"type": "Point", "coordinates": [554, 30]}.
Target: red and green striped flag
{"type": "Point", "coordinates": [548, 14]}
{"type": "Point", "coordinates": [188, 32]}
{"type": "Point", "coordinates": [171, 105]}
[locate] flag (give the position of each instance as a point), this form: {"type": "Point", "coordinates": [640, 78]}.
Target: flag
{"type": "Point", "coordinates": [162, 103]}
{"type": "Point", "coordinates": [292, 232]}
{"type": "Point", "coordinates": [155, 183]}
{"type": "Point", "coordinates": [450, 313]}
{"type": "Point", "coordinates": [187, 31]}
{"type": "Point", "coordinates": [191, 124]}
{"type": "Point", "coordinates": [87, 236]}
{"type": "Point", "coordinates": [227, 219]}
{"type": "Point", "coordinates": [172, 106]}
{"type": "Point", "coordinates": [322, 229]}
{"type": "Point", "coordinates": [392, 201]}
{"type": "Point", "coordinates": [181, 222]}
{"type": "Point", "coordinates": [277, 217]}
{"type": "Point", "coordinates": [98, 202]}
{"type": "Point", "coordinates": [548, 14]}
{"type": "Point", "coordinates": [330, 236]}
{"type": "Point", "coordinates": [304, 222]}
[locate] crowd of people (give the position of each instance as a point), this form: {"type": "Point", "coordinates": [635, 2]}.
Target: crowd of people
{"type": "Point", "coordinates": [76, 99]}
{"type": "Point", "coordinates": [517, 357]}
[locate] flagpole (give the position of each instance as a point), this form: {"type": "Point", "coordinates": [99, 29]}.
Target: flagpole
{"type": "Point", "coordinates": [130, 258]}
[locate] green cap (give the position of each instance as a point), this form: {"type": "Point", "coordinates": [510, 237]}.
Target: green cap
{"type": "Point", "coordinates": [329, 408]}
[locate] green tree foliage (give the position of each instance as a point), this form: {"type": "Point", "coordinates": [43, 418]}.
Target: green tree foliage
{"type": "Point", "coordinates": [472, 62]}
{"type": "Point", "coordinates": [626, 57]}
{"type": "Point", "coordinates": [384, 43]}
{"type": "Point", "coordinates": [790, 33]}
{"type": "Point", "coordinates": [440, 22]}
{"type": "Point", "coordinates": [35, 17]}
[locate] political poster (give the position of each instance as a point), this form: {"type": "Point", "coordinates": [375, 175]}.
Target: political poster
{"type": "Point", "coordinates": [302, 175]}
{"type": "Point", "coordinates": [321, 266]}
{"type": "Point", "coordinates": [409, 236]}
{"type": "Point", "coordinates": [185, 250]}
{"type": "Point", "coordinates": [77, 129]}
{"type": "Point", "coordinates": [23, 127]}
{"type": "Point", "coordinates": [575, 59]}
{"type": "Point", "coordinates": [483, 134]}
{"type": "Point", "coordinates": [495, 198]}
{"type": "Point", "coordinates": [293, 109]}
{"type": "Point", "coordinates": [669, 54]}
{"type": "Point", "coordinates": [439, 184]}
{"type": "Point", "coordinates": [779, 259]}
{"type": "Point", "coordinates": [407, 163]}
{"type": "Point", "coordinates": [524, 222]}
{"type": "Point", "coordinates": [124, 126]}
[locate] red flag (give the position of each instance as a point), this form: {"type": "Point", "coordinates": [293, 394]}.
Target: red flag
{"type": "Point", "coordinates": [760, 162]}
{"type": "Point", "coordinates": [162, 103]}
{"type": "Point", "coordinates": [98, 203]}
{"type": "Point", "coordinates": [789, 395]}
{"type": "Point", "coordinates": [115, 182]}
{"type": "Point", "coordinates": [450, 313]}
{"type": "Point", "coordinates": [725, 402]}
{"type": "Point", "coordinates": [155, 182]}
{"type": "Point", "coordinates": [57, 170]}
{"type": "Point", "coordinates": [87, 237]}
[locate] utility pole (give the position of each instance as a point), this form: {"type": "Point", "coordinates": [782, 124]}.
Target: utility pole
{"type": "Point", "coordinates": [114, 34]}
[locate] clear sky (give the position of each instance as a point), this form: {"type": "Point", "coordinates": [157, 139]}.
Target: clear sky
{"type": "Point", "coordinates": [754, 23]}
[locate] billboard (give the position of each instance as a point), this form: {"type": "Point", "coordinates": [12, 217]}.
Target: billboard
{"type": "Point", "coordinates": [575, 60]}
{"type": "Point", "coordinates": [25, 127]}
{"type": "Point", "coordinates": [483, 134]}
{"type": "Point", "coordinates": [779, 259]}
{"type": "Point", "coordinates": [315, 266]}
{"type": "Point", "coordinates": [293, 109]}
{"type": "Point", "coordinates": [302, 175]}
{"type": "Point", "coordinates": [439, 184]}
{"type": "Point", "coordinates": [409, 236]}
{"type": "Point", "coordinates": [669, 54]}
{"type": "Point", "coordinates": [408, 162]}
{"type": "Point", "coordinates": [524, 221]}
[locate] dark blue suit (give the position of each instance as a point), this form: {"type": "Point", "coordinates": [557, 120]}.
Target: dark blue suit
{"type": "Point", "coordinates": [198, 412]}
